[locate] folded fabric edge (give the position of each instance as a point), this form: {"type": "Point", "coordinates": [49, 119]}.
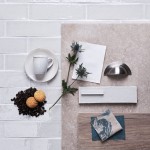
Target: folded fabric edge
{"type": "Point", "coordinates": [106, 113]}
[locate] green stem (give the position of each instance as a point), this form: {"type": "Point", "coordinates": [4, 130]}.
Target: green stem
{"type": "Point", "coordinates": [56, 101]}
{"type": "Point", "coordinates": [70, 67]}
{"type": "Point", "coordinates": [68, 72]}
{"type": "Point", "coordinates": [74, 81]}
{"type": "Point", "coordinates": [62, 95]}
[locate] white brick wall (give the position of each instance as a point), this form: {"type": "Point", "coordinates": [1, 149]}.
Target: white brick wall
{"type": "Point", "coordinates": [29, 24]}
{"type": "Point", "coordinates": [1, 62]}
{"type": "Point", "coordinates": [56, 11]}
{"type": "Point", "coordinates": [13, 11]}
{"type": "Point", "coordinates": [13, 45]}
{"type": "Point", "coordinates": [115, 12]}
{"type": "Point", "coordinates": [2, 28]}
{"type": "Point", "coordinates": [33, 28]}
{"type": "Point", "coordinates": [48, 43]}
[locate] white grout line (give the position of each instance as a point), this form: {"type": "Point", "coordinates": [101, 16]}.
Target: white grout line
{"type": "Point", "coordinates": [144, 11]}
{"type": "Point", "coordinates": [27, 45]}
{"type": "Point", "coordinates": [31, 37]}
{"type": "Point", "coordinates": [86, 12]}
{"type": "Point", "coordinates": [71, 20]}
{"type": "Point", "coordinates": [4, 62]}
{"type": "Point", "coordinates": [77, 3]}
{"type": "Point", "coordinates": [5, 28]}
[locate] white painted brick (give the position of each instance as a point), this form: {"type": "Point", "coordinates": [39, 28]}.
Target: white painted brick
{"type": "Point", "coordinates": [40, 144]}
{"type": "Point", "coordinates": [55, 113]}
{"type": "Point", "coordinates": [13, 79]}
{"type": "Point", "coordinates": [15, 144]}
{"type": "Point", "coordinates": [70, 1]}
{"type": "Point", "coordinates": [33, 28]}
{"type": "Point", "coordinates": [53, 44]}
{"type": "Point", "coordinates": [45, 144]}
{"type": "Point", "coordinates": [32, 129]}
{"type": "Point", "coordinates": [49, 130]}
{"type": "Point", "coordinates": [104, 1]}
{"type": "Point", "coordinates": [15, 62]}
{"type": "Point", "coordinates": [11, 93]}
{"type": "Point", "coordinates": [20, 129]}
{"type": "Point", "coordinates": [147, 11]}
{"type": "Point", "coordinates": [1, 129]}
{"type": "Point", "coordinates": [44, 1]}
{"type": "Point", "coordinates": [13, 45]}
{"type": "Point", "coordinates": [59, 60]}
{"type": "Point", "coordinates": [30, 144]}
{"type": "Point", "coordinates": [90, 21]}
{"type": "Point", "coordinates": [13, 11]}
{"type": "Point", "coordinates": [136, 21]}
{"type": "Point", "coordinates": [1, 95]}
{"type": "Point", "coordinates": [52, 94]}
{"type": "Point", "coordinates": [122, 12]}
{"type": "Point", "coordinates": [38, 84]}
{"type": "Point", "coordinates": [135, 1]}
{"type": "Point", "coordinates": [92, 1]}
{"type": "Point", "coordinates": [57, 11]}
{"type": "Point", "coordinates": [1, 28]}
{"type": "Point", "coordinates": [33, 1]}
{"type": "Point", "coordinates": [1, 62]}
{"type": "Point", "coordinates": [18, 1]}
{"type": "Point", "coordinates": [55, 82]}
{"type": "Point", "coordinates": [55, 144]}
{"type": "Point", "coordinates": [10, 112]}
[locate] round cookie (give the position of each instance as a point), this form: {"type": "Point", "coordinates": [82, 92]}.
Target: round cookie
{"type": "Point", "coordinates": [39, 96]}
{"type": "Point", "coordinates": [31, 102]}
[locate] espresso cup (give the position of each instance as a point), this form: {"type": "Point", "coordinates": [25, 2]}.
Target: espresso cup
{"type": "Point", "coordinates": [41, 64]}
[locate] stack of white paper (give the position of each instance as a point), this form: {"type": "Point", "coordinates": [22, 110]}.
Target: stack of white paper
{"type": "Point", "coordinates": [92, 58]}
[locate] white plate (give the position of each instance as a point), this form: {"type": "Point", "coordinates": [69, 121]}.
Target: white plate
{"type": "Point", "coordinates": [29, 65]}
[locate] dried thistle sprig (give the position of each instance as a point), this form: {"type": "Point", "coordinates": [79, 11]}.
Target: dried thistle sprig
{"type": "Point", "coordinates": [72, 59]}
{"type": "Point", "coordinates": [68, 89]}
{"type": "Point", "coordinates": [81, 72]}
{"type": "Point", "coordinates": [76, 47]}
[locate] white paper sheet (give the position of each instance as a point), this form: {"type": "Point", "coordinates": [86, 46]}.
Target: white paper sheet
{"type": "Point", "coordinates": [92, 58]}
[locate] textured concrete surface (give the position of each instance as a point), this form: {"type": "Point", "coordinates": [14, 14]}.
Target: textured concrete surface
{"type": "Point", "coordinates": [129, 43]}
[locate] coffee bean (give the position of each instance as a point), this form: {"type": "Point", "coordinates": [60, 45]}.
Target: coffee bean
{"type": "Point", "coordinates": [20, 102]}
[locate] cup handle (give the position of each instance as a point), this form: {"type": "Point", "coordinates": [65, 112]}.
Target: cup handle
{"type": "Point", "coordinates": [50, 61]}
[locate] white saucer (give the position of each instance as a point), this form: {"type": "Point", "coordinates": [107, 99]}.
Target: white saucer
{"type": "Point", "coordinates": [29, 65]}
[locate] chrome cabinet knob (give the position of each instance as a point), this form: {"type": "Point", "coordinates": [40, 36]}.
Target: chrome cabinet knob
{"type": "Point", "coordinates": [117, 69]}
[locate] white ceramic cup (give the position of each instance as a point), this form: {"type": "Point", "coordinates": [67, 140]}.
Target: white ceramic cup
{"type": "Point", "coordinates": [41, 64]}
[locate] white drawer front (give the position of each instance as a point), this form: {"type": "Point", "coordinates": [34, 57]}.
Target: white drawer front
{"type": "Point", "coordinates": [108, 94]}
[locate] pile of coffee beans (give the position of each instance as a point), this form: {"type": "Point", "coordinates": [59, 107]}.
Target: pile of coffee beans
{"type": "Point", "coordinates": [20, 101]}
